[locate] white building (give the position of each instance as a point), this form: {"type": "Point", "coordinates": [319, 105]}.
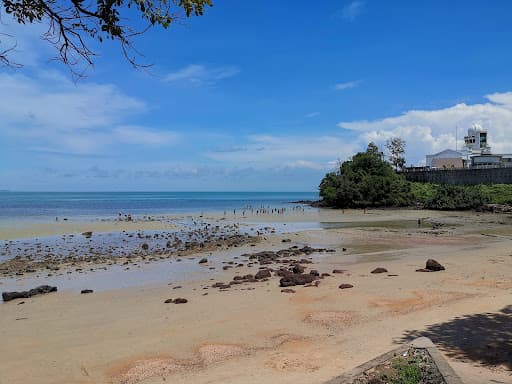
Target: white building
{"type": "Point", "coordinates": [475, 143]}
{"type": "Point", "coordinates": [476, 153]}
{"type": "Point", "coordinates": [445, 159]}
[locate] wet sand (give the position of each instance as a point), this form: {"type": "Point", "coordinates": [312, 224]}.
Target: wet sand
{"type": "Point", "coordinates": [253, 332]}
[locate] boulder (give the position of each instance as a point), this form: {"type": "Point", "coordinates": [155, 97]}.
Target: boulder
{"type": "Point", "coordinates": [41, 290]}
{"type": "Point", "coordinates": [262, 274]}
{"type": "Point", "coordinates": [345, 286]}
{"type": "Point", "coordinates": [379, 270]}
{"type": "Point", "coordinates": [85, 291]}
{"type": "Point", "coordinates": [87, 234]}
{"type": "Point", "coordinates": [179, 300]}
{"type": "Point", "coordinates": [433, 265]}
{"type": "Point", "coordinates": [297, 268]}
{"type": "Point", "coordinates": [203, 260]}
{"type": "Point", "coordinates": [296, 279]}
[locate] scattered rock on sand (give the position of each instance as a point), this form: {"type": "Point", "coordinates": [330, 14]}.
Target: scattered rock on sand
{"type": "Point", "coordinates": [85, 291]}
{"type": "Point", "coordinates": [297, 279]}
{"type": "Point", "coordinates": [345, 286]}
{"type": "Point", "coordinates": [379, 270]}
{"type": "Point", "coordinates": [87, 234]}
{"type": "Point", "coordinates": [203, 260]}
{"type": "Point", "coordinates": [338, 270]}
{"type": "Point", "coordinates": [179, 300]}
{"type": "Point", "coordinates": [287, 290]}
{"type": "Point", "coordinates": [431, 266]}
{"type": "Point", "coordinates": [262, 274]}
{"type": "Point", "coordinates": [42, 289]}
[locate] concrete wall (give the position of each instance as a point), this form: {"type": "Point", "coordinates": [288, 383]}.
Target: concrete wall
{"type": "Point", "coordinates": [462, 176]}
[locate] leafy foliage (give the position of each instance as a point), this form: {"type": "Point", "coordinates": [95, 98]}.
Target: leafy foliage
{"type": "Point", "coordinates": [72, 22]}
{"type": "Point", "coordinates": [365, 181]}
{"type": "Point", "coordinates": [451, 197]}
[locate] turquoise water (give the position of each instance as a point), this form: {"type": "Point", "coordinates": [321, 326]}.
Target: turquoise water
{"type": "Point", "coordinates": [33, 205]}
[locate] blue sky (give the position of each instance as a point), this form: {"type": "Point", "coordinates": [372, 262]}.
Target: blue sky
{"type": "Point", "coordinates": [263, 96]}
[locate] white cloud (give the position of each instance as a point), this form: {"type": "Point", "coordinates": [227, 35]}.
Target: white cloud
{"type": "Point", "coordinates": [197, 75]}
{"type": "Point", "coordinates": [432, 131]}
{"type": "Point", "coordinates": [352, 10]}
{"type": "Point", "coordinates": [347, 85]}
{"type": "Point", "coordinates": [308, 152]}
{"type": "Point", "coordinates": [51, 114]}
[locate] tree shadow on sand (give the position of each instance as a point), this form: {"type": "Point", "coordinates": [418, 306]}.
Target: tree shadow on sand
{"type": "Point", "coordinates": [484, 338]}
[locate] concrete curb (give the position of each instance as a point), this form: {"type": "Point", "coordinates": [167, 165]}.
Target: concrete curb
{"type": "Point", "coordinates": [449, 375]}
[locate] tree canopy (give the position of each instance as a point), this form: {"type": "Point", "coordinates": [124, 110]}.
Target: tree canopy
{"type": "Point", "coordinates": [72, 23]}
{"type": "Point", "coordinates": [365, 181]}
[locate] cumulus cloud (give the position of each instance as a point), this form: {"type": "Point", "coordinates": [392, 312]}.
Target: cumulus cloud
{"type": "Point", "coordinates": [347, 85]}
{"type": "Point", "coordinates": [195, 74]}
{"type": "Point", "coordinates": [49, 113]}
{"type": "Point", "coordinates": [430, 131]}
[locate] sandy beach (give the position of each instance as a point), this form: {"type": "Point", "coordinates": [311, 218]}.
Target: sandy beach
{"type": "Point", "coordinates": [253, 332]}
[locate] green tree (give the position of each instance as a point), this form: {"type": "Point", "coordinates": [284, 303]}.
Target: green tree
{"type": "Point", "coordinates": [396, 148]}
{"type": "Point", "coordinates": [73, 23]}
{"type": "Point", "coordinates": [365, 181]}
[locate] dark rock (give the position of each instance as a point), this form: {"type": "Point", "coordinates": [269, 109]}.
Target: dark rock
{"type": "Point", "coordinates": [296, 279]}
{"type": "Point", "coordinates": [345, 286]}
{"type": "Point", "coordinates": [314, 272]}
{"type": "Point", "coordinates": [433, 265]}
{"type": "Point", "coordinates": [145, 246]}
{"type": "Point", "coordinates": [179, 300]}
{"type": "Point", "coordinates": [286, 240]}
{"type": "Point", "coordinates": [379, 270]}
{"type": "Point", "coordinates": [297, 268]}
{"type": "Point", "coordinates": [203, 260]}
{"type": "Point", "coordinates": [85, 291]}
{"type": "Point", "coordinates": [43, 289]}
{"type": "Point", "coordinates": [263, 274]}
{"type": "Point", "coordinates": [87, 234]}
{"type": "Point", "coordinates": [338, 270]}
{"type": "Point", "coordinates": [287, 290]}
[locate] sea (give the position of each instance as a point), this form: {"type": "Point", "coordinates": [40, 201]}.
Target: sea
{"type": "Point", "coordinates": [34, 206]}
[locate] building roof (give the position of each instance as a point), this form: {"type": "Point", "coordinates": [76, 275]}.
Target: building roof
{"type": "Point", "coordinates": [447, 153]}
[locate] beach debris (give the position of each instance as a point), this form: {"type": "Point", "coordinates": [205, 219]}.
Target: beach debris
{"type": "Point", "coordinates": [87, 234]}
{"type": "Point", "coordinates": [379, 270]}
{"type": "Point", "coordinates": [204, 260]}
{"type": "Point", "coordinates": [179, 300]}
{"type": "Point", "coordinates": [431, 266]}
{"type": "Point", "coordinates": [42, 289]}
{"type": "Point", "coordinates": [86, 291]}
{"type": "Point", "coordinates": [345, 286]}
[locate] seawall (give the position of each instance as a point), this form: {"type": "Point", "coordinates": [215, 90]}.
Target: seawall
{"type": "Point", "coordinates": [461, 176]}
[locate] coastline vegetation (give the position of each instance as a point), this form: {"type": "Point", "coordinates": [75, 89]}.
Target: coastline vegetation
{"type": "Point", "coordinates": [367, 180]}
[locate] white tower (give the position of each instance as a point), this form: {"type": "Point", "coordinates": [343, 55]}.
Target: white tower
{"type": "Point", "coordinates": [475, 143]}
